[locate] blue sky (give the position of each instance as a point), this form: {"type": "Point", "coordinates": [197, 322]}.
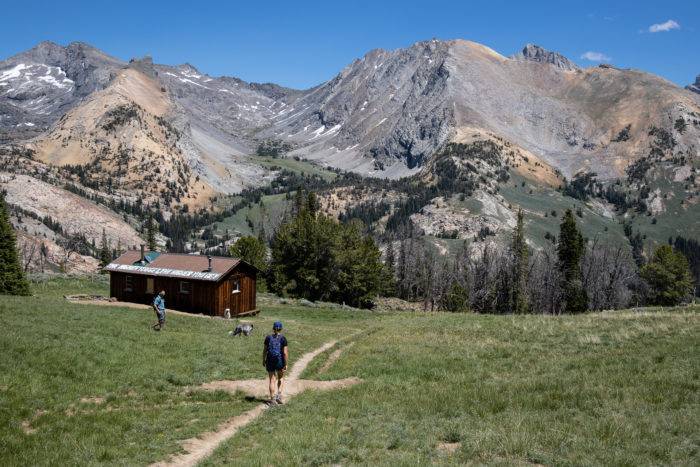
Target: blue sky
{"type": "Point", "coordinates": [303, 43]}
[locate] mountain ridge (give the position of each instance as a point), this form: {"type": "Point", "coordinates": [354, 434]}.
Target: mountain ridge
{"type": "Point", "coordinates": [173, 138]}
{"type": "Point", "coordinates": [384, 114]}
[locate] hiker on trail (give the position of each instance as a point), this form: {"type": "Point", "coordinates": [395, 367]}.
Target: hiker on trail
{"type": "Point", "coordinates": [275, 357]}
{"type": "Point", "coordinates": [159, 307]}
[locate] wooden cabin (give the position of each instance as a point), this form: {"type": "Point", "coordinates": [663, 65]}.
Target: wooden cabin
{"type": "Point", "coordinates": [216, 286]}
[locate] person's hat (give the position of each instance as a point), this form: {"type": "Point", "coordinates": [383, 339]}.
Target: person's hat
{"type": "Point", "coordinates": [277, 325]}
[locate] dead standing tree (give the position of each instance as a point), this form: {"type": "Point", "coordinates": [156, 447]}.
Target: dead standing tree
{"type": "Point", "coordinates": [483, 270]}
{"type": "Point", "coordinates": [544, 282]}
{"type": "Point", "coordinates": [70, 246]}
{"type": "Point", "coordinates": [27, 253]}
{"type": "Point", "coordinates": [608, 271]}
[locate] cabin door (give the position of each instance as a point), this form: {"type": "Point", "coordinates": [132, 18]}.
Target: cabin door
{"type": "Point", "coordinates": [184, 295]}
{"type": "Point", "coordinates": [235, 295]}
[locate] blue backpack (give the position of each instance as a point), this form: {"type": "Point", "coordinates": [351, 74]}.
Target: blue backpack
{"type": "Point", "coordinates": [274, 346]}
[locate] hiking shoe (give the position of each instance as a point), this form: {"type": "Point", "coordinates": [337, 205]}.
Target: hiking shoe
{"type": "Point", "coordinates": [272, 402]}
{"type": "Point", "coordinates": [278, 399]}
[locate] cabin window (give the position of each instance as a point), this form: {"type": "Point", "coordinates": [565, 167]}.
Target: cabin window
{"type": "Point", "coordinates": [149, 285]}
{"type": "Point", "coordinates": [236, 286]}
{"type": "Point", "coordinates": [128, 284]}
{"type": "Point", "coordinates": [185, 287]}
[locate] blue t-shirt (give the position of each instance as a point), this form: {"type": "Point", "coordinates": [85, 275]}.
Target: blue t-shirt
{"type": "Point", "coordinates": [159, 303]}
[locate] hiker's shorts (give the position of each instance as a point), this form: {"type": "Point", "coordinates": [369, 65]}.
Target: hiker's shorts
{"type": "Point", "coordinates": [274, 364]}
{"type": "Point", "coordinates": [161, 316]}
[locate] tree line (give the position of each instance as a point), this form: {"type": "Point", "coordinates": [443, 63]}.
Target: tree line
{"type": "Point", "coordinates": [317, 258]}
{"type": "Point", "coordinates": [571, 276]}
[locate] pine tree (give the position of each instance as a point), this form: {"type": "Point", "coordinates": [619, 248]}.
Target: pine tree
{"type": "Point", "coordinates": [298, 201]}
{"type": "Point", "coordinates": [151, 234]}
{"type": "Point", "coordinates": [457, 298]}
{"type": "Point", "coordinates": [12, 278]}
{"type": "Point", "coordinates": [317, 258]}
{"type": "Point", "coordinates": [251, 250]}
{"type": "Point", "coordinates": [105, 254]}
{"type": "Point", "coordinates": [691, 250]}
{"type": "Point", "coordinates": [312, 203]}
{"type": "Point", "coordinates": [357, 269]}
{"type": "Point", "coordinates": [570, 252]}
{"type": "Point", "coordinates": [390, 270]}
{"type": "Point", "coordinates": [520, 254]}
{"type": "Point", "coordinates": [669, 277]}
{"type": "Point", "coordinates": [401, 272]}
{"type": "Point", "coordinates": [118, 250]}
{"type": "Point", "coordinates": [301, 252]}
{"type": "Point", "coordinates": [390, 257]}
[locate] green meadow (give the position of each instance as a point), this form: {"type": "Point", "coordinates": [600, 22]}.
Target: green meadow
{"type": "Point", "coordinates": [86, 384]}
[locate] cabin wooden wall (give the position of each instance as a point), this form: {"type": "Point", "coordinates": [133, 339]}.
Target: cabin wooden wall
{"type": "Point", "coordinates": [210, 298]}
{"type": "Point", "coordinates": [200, 300]}
{"type": "Point", "coordinates": [240, 302]}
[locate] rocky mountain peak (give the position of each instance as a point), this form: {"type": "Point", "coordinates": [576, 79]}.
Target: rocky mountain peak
{"type": "Point", "coordinates": [536, 53]}
{"type": "Point", "coordinates": [51, 53]}
{"type": "Point", "coordinates": [144, 65]}
{"type": "Point", "coordinates": [84, 47]}
{"type": "Point", "coordinates": [187, 67]}
{"type": "Point", "coordinates": [41, 84]}
{"type": "Point", "coordinates": [695, 87]}
{"type": "Point", "coordinates": [48, 46]}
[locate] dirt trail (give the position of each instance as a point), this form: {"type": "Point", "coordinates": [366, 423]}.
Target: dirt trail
{"type": "Point", "coordinates": [147, 308]}
{"type": "Point", "coordinates": [197, 449]}
{"type": "Point", "coordinates": [26, 425]}
{"type": "Point", "coordinates": [449, 448]}
{"type": "Point", "coordinates": [334, 357]}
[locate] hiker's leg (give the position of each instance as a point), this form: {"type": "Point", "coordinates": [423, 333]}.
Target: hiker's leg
{"type": "Point", "coordinates": [271, 385]}
{"type": "Point", "coordinates": [280, 381]}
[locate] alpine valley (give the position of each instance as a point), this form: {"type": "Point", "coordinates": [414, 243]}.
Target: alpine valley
{"type": "Point", "coordinates": [444, 140]}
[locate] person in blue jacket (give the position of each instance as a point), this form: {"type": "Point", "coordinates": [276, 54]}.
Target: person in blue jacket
{"type": "Point", "coordinates": [275, 357]}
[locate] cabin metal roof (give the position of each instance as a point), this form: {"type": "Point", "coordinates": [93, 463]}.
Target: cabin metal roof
{"type": "Point", "coordinates": [173, 265]}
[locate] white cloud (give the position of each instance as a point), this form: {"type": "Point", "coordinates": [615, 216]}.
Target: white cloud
{"type": "Point", "coordinates": [595, 57]}
{"type": "Point", "coordinates": [664, 27]}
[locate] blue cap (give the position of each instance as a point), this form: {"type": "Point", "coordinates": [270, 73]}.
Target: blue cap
{"type": "Point", "coordinates": [277, 325]}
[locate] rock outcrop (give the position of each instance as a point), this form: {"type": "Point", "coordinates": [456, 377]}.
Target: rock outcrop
{"type": "Point", "coordinates": [695, 87]}
{"type": "Point", "coordinates": [535, 53]}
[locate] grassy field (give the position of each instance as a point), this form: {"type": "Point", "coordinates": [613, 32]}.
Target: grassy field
{"type": "Point", "coordinates": [545, 200]}
{"type": "Point", "coordinates": [301, 167]}
{"type": "Point", "coordinates": [268, 214]}
{"type": "Point", "coordinates": [677, 218]}
{"type": "Point", "coordinates": [83, 384]}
